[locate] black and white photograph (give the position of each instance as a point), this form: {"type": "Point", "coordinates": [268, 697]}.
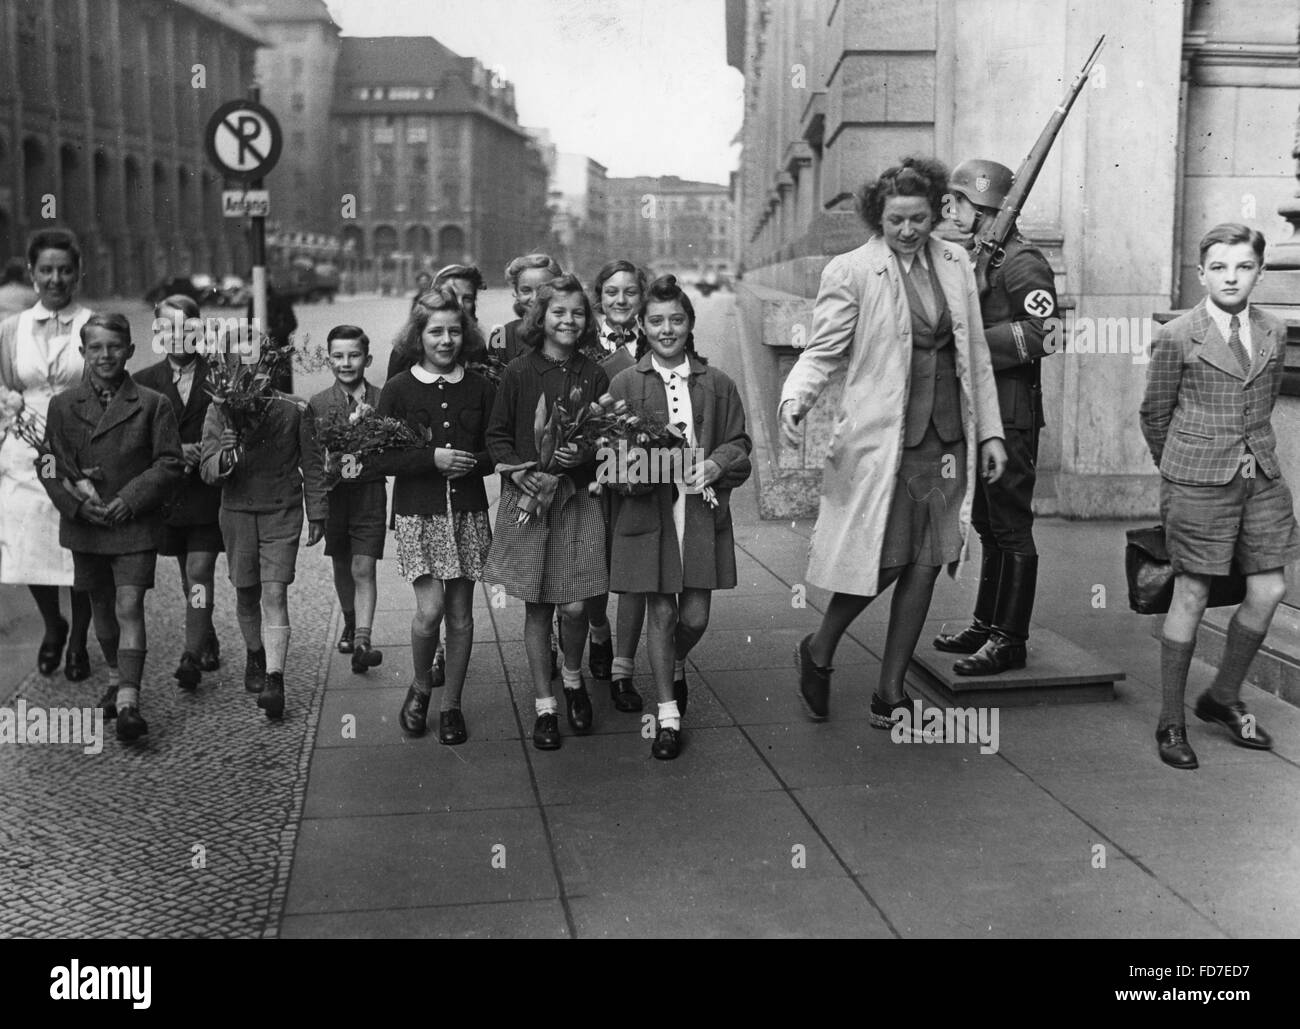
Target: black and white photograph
{"type": "Point", "coordinates": [650, 469]}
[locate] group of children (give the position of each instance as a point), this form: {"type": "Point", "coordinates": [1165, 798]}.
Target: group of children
{"type": "Point", "coordinates": [177, 479]}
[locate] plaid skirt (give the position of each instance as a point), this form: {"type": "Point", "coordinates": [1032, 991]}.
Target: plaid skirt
{"type": "Point", "coordinates": [559, 560]}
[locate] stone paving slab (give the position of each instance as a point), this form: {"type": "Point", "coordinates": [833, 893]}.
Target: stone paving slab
{"type": "Point", "coordinates": [709, 908]}
{"type": "Point", "coordinates": [535, 919]}
{"type": "Point", "coordinates": [420, 860]}
{"type": "Point", "coordinates": [488, 710]}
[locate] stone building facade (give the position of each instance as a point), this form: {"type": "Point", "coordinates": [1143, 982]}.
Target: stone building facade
{"type": "Point", "coordinates": [672, 226]}
{"type": "Point", "coordinates": [102, 106]}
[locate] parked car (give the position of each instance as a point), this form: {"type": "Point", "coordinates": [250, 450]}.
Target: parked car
{"type": "Point", "coordinates": [199, 288]}
{"type": "Point", "coordinates": [234, 292]}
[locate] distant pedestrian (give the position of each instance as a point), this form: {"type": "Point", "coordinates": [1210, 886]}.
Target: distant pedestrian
{"type": "Point", "coordinates": [129, 433]}
{"type": "Point", "coordinates": [556, 560]}
{"type": "Point", "coordinates": [15, 292]}
{"type": "Point", "coordinates": [358, 505]}
{"type": "Point", "coordinates": [1212, 383]}
{"type": "Point", "coordinates": [526, 275]}
{"type": "Point", "coordinates": [266, 479]}
{"type": "Point", "coordinates": [281, 324]}
{"type": "Point", "coordinates": [191, 530]}
{"type": "Point", "coordinates": [441, 506]}
{"type": "Point", "coordinates": [674, 546]}
{"type": "Point", "coordinates": [40, 356]}
{"type": "Point", "coordinates": [899, 318]}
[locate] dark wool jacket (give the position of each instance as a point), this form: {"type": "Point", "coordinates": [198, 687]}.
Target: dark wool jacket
{"type": "Point", "coordinates": [644, 555]}
{"type": "Point", "coordinates": [279, 468]}
{"type": "Point", "coordinates": [510, 430]}
{"type": "Point", "coordinates": [456, 413]}
{"type": "Point", "coordinates": [193, 502]}
{"type": "Point", "coordinates": [134, 444]}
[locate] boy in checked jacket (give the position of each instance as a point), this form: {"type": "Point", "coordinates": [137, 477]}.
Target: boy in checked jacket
{"type": "Point", "coordinates": [1214, 377]}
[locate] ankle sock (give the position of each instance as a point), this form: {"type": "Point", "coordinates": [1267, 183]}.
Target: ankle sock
{"type": "Point", "coordinates": [114, 676]}
{"type": "Point", "coordinates": [423, 649]}
{"type": "Point", "coordinates": [600, 633]}
{"type": "Point", "coordinates": [1238, 651]}
{"type": "Point", "coordinates": [669, 716]}
{"type": "Point", "coordinates": [546, 706]}
{"type": "Point", "coordinates": [622, 668]}
{"type": "Point", "coordinates": [679, 670]}
{"type": "Point", "coordinates": [276, 643]}
{"type": "Point", "coordinates": [128, 696]}
{"type": "Point", "coordinates": [362, 635]}
{"type": "Point", "coordinates": [572, 679]}
{"type": "Point", "coordinates": [1175, 660]}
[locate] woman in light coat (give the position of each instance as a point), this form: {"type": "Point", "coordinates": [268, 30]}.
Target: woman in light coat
{"type": "Point", "coordinates": [899, 318]}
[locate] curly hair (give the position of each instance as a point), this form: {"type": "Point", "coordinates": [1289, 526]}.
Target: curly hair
{"type": "Point", "coordinates": [522, 264]}
{"type": "Point", "coordinates": [911, 177]}
{"type": "Point", "coordinates": [53, 239]}
{"type": "Point", "coordinates": [665, 290]}
{"type": "Point", "coordinates": [533, 330]}
{"type": "Point", "coordinates": [408, 347]}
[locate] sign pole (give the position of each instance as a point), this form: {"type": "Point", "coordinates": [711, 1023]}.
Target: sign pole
{"type": "Point", "coordinates": [259, 248]}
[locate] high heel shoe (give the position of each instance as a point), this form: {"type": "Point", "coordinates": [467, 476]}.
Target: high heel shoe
{"type": "Point", "coordinates": [50, 654]}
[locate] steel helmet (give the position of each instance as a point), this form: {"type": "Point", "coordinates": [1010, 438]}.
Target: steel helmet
{"type": "Point", "coordinates": [983, 183]}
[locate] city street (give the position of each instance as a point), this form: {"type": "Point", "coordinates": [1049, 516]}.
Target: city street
{"type": "Point", "coordinates": [333, 823]}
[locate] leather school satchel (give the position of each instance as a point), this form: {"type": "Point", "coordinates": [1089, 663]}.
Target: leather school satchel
{"type": "Point", "coordinates": [1151, 576]}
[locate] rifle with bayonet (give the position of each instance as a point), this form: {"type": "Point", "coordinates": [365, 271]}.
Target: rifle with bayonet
{"type": "Point", "coordinates": [992, 235]}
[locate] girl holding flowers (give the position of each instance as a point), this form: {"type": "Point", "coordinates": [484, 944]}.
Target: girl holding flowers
{"type": "Point", "coordinates": [675, 543]}
{"type": "Point", "coordinates": [549, 545]}
{"type": "Point", "coordinates": [439, 503]}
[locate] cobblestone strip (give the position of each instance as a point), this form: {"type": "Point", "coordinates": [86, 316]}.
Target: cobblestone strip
{"type": "Point", "coordinates": [190, 832]}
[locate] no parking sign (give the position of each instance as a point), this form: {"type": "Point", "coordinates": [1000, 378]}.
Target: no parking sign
{"type": "Point", "coordinates": [243, 139]}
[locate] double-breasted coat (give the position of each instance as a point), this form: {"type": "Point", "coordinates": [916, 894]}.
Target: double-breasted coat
{"type": "Point", "coordinates": [644, 552]}
{"type": "Point", "coordinates": [862, 329]}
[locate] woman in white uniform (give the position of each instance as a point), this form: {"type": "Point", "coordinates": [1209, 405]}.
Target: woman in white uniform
{"type": "Point", "coordinates": [40, 356]}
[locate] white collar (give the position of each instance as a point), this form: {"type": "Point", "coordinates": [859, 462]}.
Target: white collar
{"type": "Point", "coordinates": [1223, 320]}
{"type": "Point", "coordinates": [681, 371]}
{"type": "Point", "coordinates": [425, 376]}
{"type": "Point", "coordinates": [920, 255]}
{"type": "Point", "coordinates": [43, 314]}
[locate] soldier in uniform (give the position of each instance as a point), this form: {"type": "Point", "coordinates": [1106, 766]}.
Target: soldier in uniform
{"type": "Point", "coordinates": [1018, 304]}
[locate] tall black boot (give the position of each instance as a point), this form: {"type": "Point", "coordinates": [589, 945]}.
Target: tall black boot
{"type": "Point", "coordinates": [1006, 646]}
{"type": "Point", "coordinates": [976, 635]}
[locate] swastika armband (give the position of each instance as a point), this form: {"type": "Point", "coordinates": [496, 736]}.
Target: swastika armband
{"type": "Point", "coordinates": [1036, 303]}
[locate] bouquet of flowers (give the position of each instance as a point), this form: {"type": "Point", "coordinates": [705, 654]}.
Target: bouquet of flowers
{"type": "Point", "coordinates": [364, 433]}
{"type": "Point", "coordinates": [490, 369]}
{"type": "Point", "coordinates": [26, 424]}
{"type": "Point", "coordinates": [244, 392]}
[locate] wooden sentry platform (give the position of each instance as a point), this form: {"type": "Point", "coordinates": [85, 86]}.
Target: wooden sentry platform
{"type": "Point", "coordinates": [1056, 672]}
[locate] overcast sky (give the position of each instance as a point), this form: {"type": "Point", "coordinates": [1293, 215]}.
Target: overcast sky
{"type": "Point", "coordinates": [643, 86]}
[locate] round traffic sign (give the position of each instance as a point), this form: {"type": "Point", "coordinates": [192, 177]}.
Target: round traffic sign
{"type": "Point", "coordinates": [243, 139]}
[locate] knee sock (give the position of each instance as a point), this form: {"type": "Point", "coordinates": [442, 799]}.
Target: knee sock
{"type": "Point", "coordinates": [1238, 651]}
{"type": "Point", "coordinates": [1175, 660]}
{"type": "Point", "coordinates": [250, 624]}
{"type": "Point", "coordinates": [198, 623]}
{"type": "Point", "coordinates": [423, 649]}
{"type": "Point", "coordinates": [669, 716]}
{"type": "Point", "coordinates": [130, 665]}
{"type": "Point", "coordinates": [600, 633]}
{"type": "Point", "coordinates": [622, 668]}
{"type": "Point", "coordinates": [276, 639]}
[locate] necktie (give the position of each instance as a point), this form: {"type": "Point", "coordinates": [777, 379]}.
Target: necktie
{"type": "Point", "coordinates": [1235, 344]}
{"type": "Point", "coordinates": [921, 283]}
{"type": "Point", "coordinates": [352, 403]}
